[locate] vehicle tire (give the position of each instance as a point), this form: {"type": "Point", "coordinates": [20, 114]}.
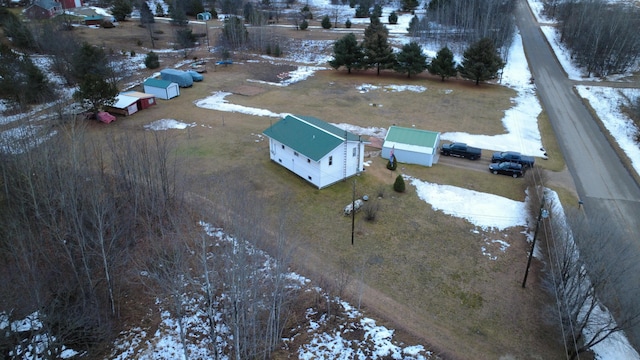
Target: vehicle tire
{"type": "Point", "coordinates": [515, 175]}
{"type": "Point", "coordinates": [472, 158]}
{"type": "Point", "coordinates": [495, 172]}
{"type": "Point", "coordinates": [446, 154]}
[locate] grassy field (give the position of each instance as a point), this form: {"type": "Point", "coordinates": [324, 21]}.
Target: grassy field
{"type": "Point", "coordinates": [423, 272]}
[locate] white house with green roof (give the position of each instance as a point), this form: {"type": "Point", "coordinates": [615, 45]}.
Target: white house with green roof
{"type": "Point", "coordinates": [411, 146]}
{"type": "Point", "coordinates": [317, 151]}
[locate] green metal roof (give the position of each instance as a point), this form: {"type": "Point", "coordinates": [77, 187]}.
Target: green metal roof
{"type": "Point", "coordinates": [308, 136]}
{"type": "Point", "coordinates": [412, 136]}
{"type": "Point", "coordinates": [157, 83]}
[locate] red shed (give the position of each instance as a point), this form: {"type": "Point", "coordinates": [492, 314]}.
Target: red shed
{"type": "Point", "coordinates": [144, 100]}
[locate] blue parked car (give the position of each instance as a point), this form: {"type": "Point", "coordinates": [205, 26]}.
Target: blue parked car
{"type": "Point", "coordinates": [195, 75]}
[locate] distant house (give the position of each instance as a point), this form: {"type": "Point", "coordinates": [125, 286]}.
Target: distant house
{"type": "Point", "coordinates": [124, 105]}
{"type": "Point", "coordinates": [93, 20]}
{"type": "Point", "coordinates": [71, 4]}
{"type": "Point", "coordinates": [411, 146]}
{"type": "Point", "coordinates": [317, 151]}
{"type": "Point", "coordinates": [43, 9]}
{"type": "Point", "coordinates": [144, 100]}
{"type": "Point", "coordinates": [162, 89]}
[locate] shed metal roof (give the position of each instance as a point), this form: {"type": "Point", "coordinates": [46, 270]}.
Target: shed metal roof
{"type": "Point", "coordinates": [410, 139]}
{"type": "Point", "coordinates": [137, 94]}
{"type": "Point", "coordinates": [124, 101]}
{"type": "Point", "coordinates": [163, 84]}
{"type": "Point", "coordinates": [308, 136]}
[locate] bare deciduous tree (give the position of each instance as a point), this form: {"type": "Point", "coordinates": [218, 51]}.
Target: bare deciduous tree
{"type": "Point", "coordinates": [584, 281]}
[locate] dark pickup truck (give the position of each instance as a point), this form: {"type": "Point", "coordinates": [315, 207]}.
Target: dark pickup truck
{"type": "Point", "coordinates": [461, 150]}
{"type": "Point", "coordinates": [514, 157]}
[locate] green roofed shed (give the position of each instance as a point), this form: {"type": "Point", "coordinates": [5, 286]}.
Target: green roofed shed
{"type": "Point", "coordinates": [411, 146]}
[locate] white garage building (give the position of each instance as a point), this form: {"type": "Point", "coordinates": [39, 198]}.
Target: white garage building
{"type": "Point", "coordinates": [411, 146]}
{"type": "Point", "coordinates": [162, 89]}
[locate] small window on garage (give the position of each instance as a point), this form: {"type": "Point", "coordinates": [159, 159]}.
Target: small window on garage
{"type": "Point", "coordinates": [309, 177]}
{"type": "Point", "coordinates": [295, 153]}
{"type": "Point", "coordinates": [282, 147]}
{"type": "Point", "coordinates": [330, 160]}
{"type": "Point", "coordinates": [354, 152]}
{"type": "Point", "coordinates": [309, 161]}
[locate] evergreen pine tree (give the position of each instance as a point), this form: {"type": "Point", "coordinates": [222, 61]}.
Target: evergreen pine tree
{"type": "Point", "coordinates": [443, 64]}
{"type": "Point", "coordinates": [151, 61]}
{"type": "Point", "coordinates": [399, 185]}
{"type": "Point", "coordinates": [393, 18]}
{"type": "Point", "coordinates": [304, 24]}
{"type": "Point", "coordinates": [411, 60]}
{"type": "Point", "coordinates": [159, 10]}
{"type": "Point", "coordinates": [409, 5]}
{"type": "Point", "coordinates": [347, 53]}
{"type": "Point", "coordinates": [481, 61]}
{"type": "Point", "coordinates": [97, 85]}
{"type": "Point", "coordinates": [378, 52]}
{"type": "Point", "coordinates": [326, 22]}
{"type": "Point", "coordinates": [121, 9]}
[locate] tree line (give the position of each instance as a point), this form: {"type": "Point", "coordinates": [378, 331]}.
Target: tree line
{"type": "Point", "coordinates": [92, 232]}
{"type": "Point", "coordinates": [481, 60]}
{"type": "Point", "coordinates": [601, 36]}
{"type": "Point", "coordinates": [465, 22]}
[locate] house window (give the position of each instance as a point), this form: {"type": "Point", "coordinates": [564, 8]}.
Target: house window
{"type": "Point", "coordinates": [282, 147]}
{"type": "Point", "coordinates": [309, 161]}
{"type": "Point", "coordinates": [295, 153]}
{"type": "Point", "coordinates": [280, 160]}
{"type": "Point", "coordinates": [309, 177]}
{"type": "Point", "coordinates": [330, 160]}
{"type": "Point", "coordinates": [354, 152]}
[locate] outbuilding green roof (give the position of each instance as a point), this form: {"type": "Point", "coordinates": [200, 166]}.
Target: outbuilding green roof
{"type": "Point", "coordinates": [163, 84]}
{"type": "Point", "coordinates": [417, 137]}
{"type": "Point", "coordinates": [308, 136]}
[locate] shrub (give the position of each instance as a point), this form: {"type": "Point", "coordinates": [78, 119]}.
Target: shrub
{"type": "Point", "coordinates": [393, 18]}
{"type": "Point", "coordinates": [326, 22]}
{"type": "Point", "coordinates": [151, 61]}
{"type": "Point", "coordinates": [370, 210]}
{"type": "Point", "coordinates": [304, 25]}
{"type": "Point", "coordinates": [133, 53]}
{"type": "Point", "coordinates": [347, 24]}
{"type": "Point", "coordinates": [398, 185]}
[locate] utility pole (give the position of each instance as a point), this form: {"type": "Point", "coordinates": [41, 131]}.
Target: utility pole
{"type": "Point", "coordinates": [543, 214]}
{"type": "Point", "coordinates": [353, 212]}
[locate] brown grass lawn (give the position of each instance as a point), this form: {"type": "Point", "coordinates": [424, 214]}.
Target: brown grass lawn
{"type": "Point", "coordinates": [424, 272]}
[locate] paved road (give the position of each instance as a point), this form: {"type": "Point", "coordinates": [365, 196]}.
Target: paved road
{"type": "Point", "coordinates": [602, 181]}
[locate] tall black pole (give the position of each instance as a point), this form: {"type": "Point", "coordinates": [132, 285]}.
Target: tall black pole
{"type": "Point", "coordinates": [353, 211]}
{"type": "Point", "coordinates": [533, 243]}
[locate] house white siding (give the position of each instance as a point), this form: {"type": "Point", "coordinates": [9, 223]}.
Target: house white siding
{"type": "Point", "coordinates": [329, 170]}
{"type": "Point", "coordinates": [334, 170]}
